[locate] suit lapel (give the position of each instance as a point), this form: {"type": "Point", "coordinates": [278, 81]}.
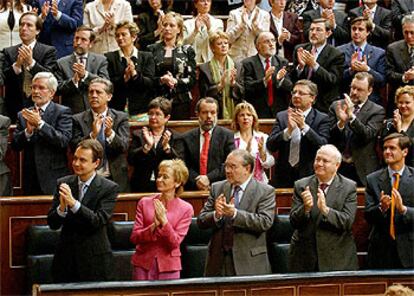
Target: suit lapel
{"type": "Point", "coordinates": [92, 190]}
{"type": "Point", "coordinates": [385, 181]}
{"type": "Point", "coordinates": [248, 193]}
{"type": "Point", "coordinates": [227, 191]}
{"type": "Point", "coordinates": [88, 119]}
{"type": "Point", "coordinates": [50, 110]}
{"type": "Point", "coordinates": [333, 191]}
{"type": "Point", "coordinates": [273, 26]}
{"type": "Point", "coordinates": [310, 118]}
{"type": "Point", "coordinates": [258, 67]}
{"type": "Point", "coordinates": [404, 54]}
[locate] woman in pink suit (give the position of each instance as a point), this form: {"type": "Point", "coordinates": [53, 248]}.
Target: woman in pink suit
{"type": "Point", "coordinates": [161, 223]}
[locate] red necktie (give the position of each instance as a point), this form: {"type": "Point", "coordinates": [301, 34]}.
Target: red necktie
{"type": "Point", "coordinates": [204, 153]}
{"type": "Point", "coordinates": [269, 85]}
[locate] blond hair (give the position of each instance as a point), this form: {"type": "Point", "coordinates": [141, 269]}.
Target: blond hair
{"type": "Point", "coordinates": [245, 106]}
{"type": "Point", "coordinates": [179, 172]}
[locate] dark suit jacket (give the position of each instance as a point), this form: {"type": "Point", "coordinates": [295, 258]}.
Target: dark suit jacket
{"type": "Point", "coordinates": [398, 61]}
{"type": "Point", "coordinates": [317, 136]}
{"type": "Point", "coordinates": [382, 34]}
{"type": "Point", "coordinates": [254, 217]}
{"type": "Point", "coordinates": [84, 248]}
{"type": "Point", "coordinates": [15, 99]}
{"type": "Point", "coordinates": [329, 73]}
{"type": "Point", "coordinates": [60, 33]}
{"type": "Point", "coordinates": [188, 149]}
{"type": "Point", "coordinates": [115, 152]}
{"type": "Point", "coordinates": [376, 62]}
{"type": "Point", "coordinates": [139, 89]}
{"type": "Point", "coordinates": [340, 33]}
{"type": "Point", "coordinates": [45, 152]}
{"type": "Point", "coordinates": [145, 164]}
{"type": "Point", "coordinates": [184, 67]}
{"type": "Point", "coordinates": [322, 243]}
{"type": "Point", "coordinates": [380, 242]}
{"type": "Point", "coordinates": [208, 87]}
{"type": "Point", "coordinates": [363, 132]}
{"type": "Point", "coordinates": [400, 8]}
{"type": "Point", "coordinates": [255, 91]}
{"type": "Point", "coordinates": [290, 22]}
{"type": "Point", "coordinates": [74, 97]}
{"type": "Point", "coordinates": [147, 23]}
{"type": "Point", "coordinates": [5, 185]}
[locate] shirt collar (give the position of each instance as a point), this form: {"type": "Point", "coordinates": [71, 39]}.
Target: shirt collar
{"type": "Point", "coordinates": [320, 48]}
{"type": "Point", "coordinates": [392, 172]}
{"type": "Point", "coordinates": [306, 112]}
{"type": "Point", "coordinates": [362, 46]}
{"type": "Point", "coordinates": [134, 53]}
{"type": "Point", "coordinates": [89, 181]}
{"type": "Point", "coordinates": [105, 113]}
{"type": "Point", "coordinates": [44, 107]}
{"type": "Point", "coordinates": [244, 185]}
{"type": "Point", "coordinates": [327, 183]}
{"type": "Point", "coordinates": [32, 44]}
{"type": "Point", "coordinates": [210, 131]}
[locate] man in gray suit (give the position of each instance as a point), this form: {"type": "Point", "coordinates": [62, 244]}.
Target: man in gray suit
{"type": "Point", "coordinates": [323, 211]}
{"type": "Point", "coordinates": [76, 71]}
{"type": "Point", "coordinates": [355, 122]}
{"type": "Point", "coordinates": [389, 208]}
{"type": "Point", "coordinates": [239, 210]}
{"type": "Point", "coordinates": [110, 127]}
{"type": "Point", "coordinates": [5, 185]}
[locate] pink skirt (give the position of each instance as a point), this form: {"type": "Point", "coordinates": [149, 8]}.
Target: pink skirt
{"type": "Point", "coordinates": [141, 274]}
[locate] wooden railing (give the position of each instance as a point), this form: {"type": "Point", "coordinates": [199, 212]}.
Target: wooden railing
{"type": "Point", "coordinates": [18, 213]}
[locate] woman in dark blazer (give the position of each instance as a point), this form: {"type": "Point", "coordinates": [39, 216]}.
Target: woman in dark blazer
{"type": "Point", "coordinates": [151, 145]}
{"type": "Point", "coordinates": [218, 76]}
{"type": "Point", "coordinates": [403, 119]}
{"type": "Point", "coordinates": [149, 23]}
{"type": "Point", "coordinates": [174, 66]}
{"type": "Point", "coordinates": [131, 72]}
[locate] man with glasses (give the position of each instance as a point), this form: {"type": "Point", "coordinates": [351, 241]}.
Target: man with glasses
{"type": "Point", "coordinates": [320, 62]}
{"type": "Point", "coordinates": [323, 211]}
{"type": "Point", "coordinates": [43, 132]}
{"type": "Point", "coordinates": [239, 211]}
{"type": "Point", "coordinates": [298, 132]}
{"type": "Point", "coordinates": [265, 82]}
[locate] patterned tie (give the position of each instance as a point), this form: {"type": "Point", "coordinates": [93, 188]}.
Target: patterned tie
{"type": "Point", "coordinates": [27, 82]}
{"type": "Point", "coordinates": [236, 196]}
{"type": "Point", "coordinates": [310, 70]}
{"type": "Point", "coordinates": [356, 109]}
{"type": "Point", "coordinates": [83, 187]}
{"type": "Point", "coordinates": [269, 85]}
{"type": "Point", "coordinates": [204, 153]}
{"type": "Point", "coordinates": [102, 139]}
{"type": "Point", "coordinates": [411, 52]}
{"type": "Point", "coordinates": [359, 51]}
{"type": "Point", "coordinates": [395, 185]}
{"type": "Point", "coordinates": [228, 230]}
{"type": "Point", "coordinates": [294, 147]}
{"type": "Point", "coordinates": [323, 187]}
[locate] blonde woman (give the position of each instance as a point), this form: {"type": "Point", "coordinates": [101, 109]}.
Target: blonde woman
{"type": "Point", "coordinates": [217, 77]}
{"type": "Point", "coordinates": [247, 136]}
{"type": "Point", "coordinates": [174, 66]}
{"type": "Point", "coordinates": [161, 223]}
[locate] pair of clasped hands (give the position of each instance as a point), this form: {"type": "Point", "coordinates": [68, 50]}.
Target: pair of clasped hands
{"type": "Point", "coordinates": [307, 198]}
{"type": "Point", "coordinates": [385, 201]}
{"type": "Point", "coordinates": [160, 214]}
{"type": "Point", "coordinates": [222, 208]}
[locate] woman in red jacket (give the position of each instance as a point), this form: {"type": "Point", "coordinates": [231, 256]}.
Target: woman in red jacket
{"type": "Point", "coordinates": [161, 223]}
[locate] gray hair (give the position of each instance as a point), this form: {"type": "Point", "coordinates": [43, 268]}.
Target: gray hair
{"type": "Point", "coordinates": [109, 87]}
{"type": "Point", "coordinates": [246, 157]}
{"type": "Point", "coordinates": [407, 19]}
{"type": "Point", "coordinates": [51, 83]}
{"type": "Point", "coordinates": [332, 149]}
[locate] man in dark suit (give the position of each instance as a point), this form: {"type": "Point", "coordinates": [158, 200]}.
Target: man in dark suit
{"type": "Point", "coordinates": [21, 62]}
{"type": "Point", "coordinates": [266, 84]}
{"type": "Point", "coordinates": [355, 122]}
{"type": "Point", "coordinates": [131, 71]}
{"type": "Point", "coordinates": [381, 19]}
{"type": "Point", "coordinates": [110, 127]}
{"type": "Point", "coordinates": [399, 9]}
{"type": "Point", "coordinates": [75, 71]}
{"type": "Point", "coordinates": [82, 207]}
{"type": "Point", "coordinates": [60, 20]}
{"type": "Point", "coordinates": [297, 134]}
{"type": "Point", "coordinates": [338, 22]}
{"type": "Point", "coordinates": [389, 208]}
{"type": "Point", "coordinates": [239, 210]}
{"type": "Point", "coordinates": [319, 62]}
{"type": "Point", "coordinates": [205, 149]}
{"type": "Point", "coordinates": [400, 61]}
{"type": "Point", "coordinates": [363, 57]}
{"type": "Point", "coordinates": [323, 211]}
{"type": "Point", "coordinates": [5, 183]}
{"type": "Point", "coordinates": [43, 132]}
{"type": "Point", "coordinates": [284, 25]}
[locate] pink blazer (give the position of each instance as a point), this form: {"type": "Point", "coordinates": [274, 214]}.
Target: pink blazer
{"type": "Point", "coordinates": [163, 243]}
